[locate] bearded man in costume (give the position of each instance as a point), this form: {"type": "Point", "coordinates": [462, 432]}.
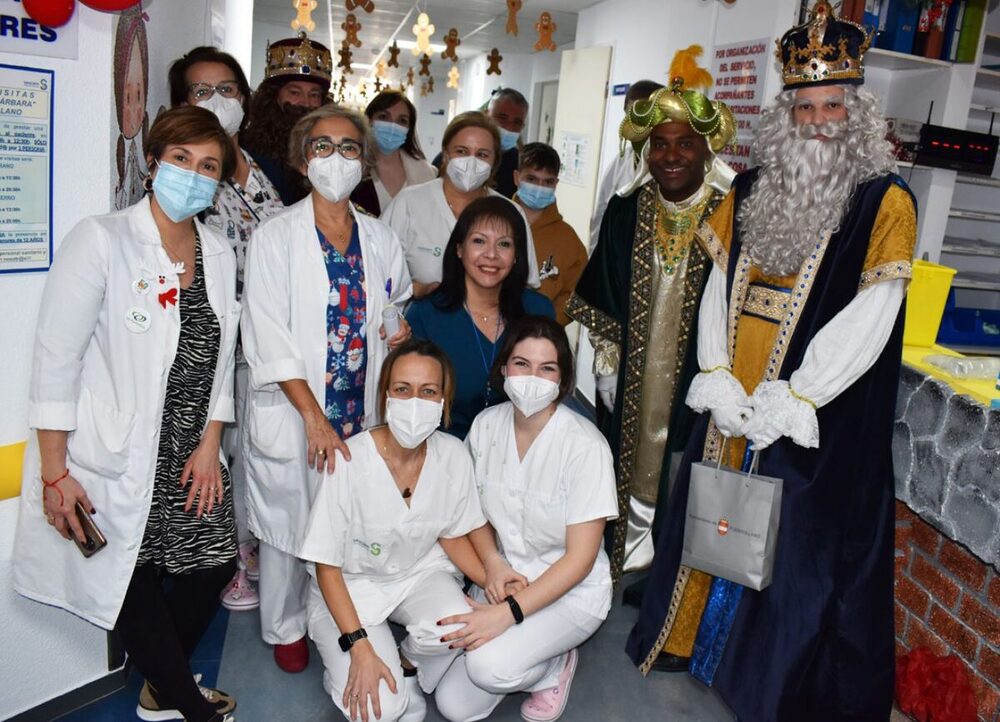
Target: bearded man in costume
{"type": "Point", "coordinates": [639, 292]}
{"type": "Point", "coordinates": [800, 338]}
{"type": "Point", "coordinates": [296, 81]}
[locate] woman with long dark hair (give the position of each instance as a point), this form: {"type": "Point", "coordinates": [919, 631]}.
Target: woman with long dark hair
{"type": "Point", "coordinates": [483, 290]}
{"type": "Point", "coordinates": [399, 161]}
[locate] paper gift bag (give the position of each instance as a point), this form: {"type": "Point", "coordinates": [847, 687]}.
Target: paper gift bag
{"type": "Point", "coordinates": [731, 525]}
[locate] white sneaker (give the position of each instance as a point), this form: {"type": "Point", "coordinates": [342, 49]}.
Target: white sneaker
{"type": "Point", "coordinates": [416, 705]}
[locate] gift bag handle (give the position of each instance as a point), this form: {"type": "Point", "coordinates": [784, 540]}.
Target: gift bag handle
{"type": "Point", "coordinates": [751, 459]}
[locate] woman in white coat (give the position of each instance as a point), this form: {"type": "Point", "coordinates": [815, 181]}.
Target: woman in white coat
{"type": "Point", "coordinates": [423, 216]}
{"type": "Point", "coordinates": [318, 278]}
{"type": "Point", "coordinates": [132, 382]}
{"type": "Point", "coordinates": [547, 485]}
{"type": "Point", "coordinates": [379, 532]}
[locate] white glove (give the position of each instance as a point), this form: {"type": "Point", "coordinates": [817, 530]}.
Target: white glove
{"type": "Point", "coordinates": [720, 392]}
{"type": "Point", "coordinates": [777, 413]}
{"type": "Point", "coordinates": [607, 389]}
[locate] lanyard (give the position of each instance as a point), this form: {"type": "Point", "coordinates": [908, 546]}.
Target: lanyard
{"type": "Point", "coordinates": [482, 354]}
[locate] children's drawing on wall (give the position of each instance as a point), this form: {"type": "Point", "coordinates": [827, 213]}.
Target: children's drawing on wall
{"type": "Point", "coordinates": [131, 81]}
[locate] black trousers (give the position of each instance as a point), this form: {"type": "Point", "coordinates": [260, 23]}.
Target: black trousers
{"type": "Point", "coordinates": [160, 628]}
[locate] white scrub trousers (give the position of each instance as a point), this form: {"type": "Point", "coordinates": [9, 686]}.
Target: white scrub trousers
{"type": "Point", "coordinates": [435, 596]}
{"type": "Point", "coordinates": [283, 590]}
{"type": "Point", "coordinates": [528, 657]}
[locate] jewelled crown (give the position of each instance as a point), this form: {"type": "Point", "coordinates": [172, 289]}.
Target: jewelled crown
{"type": "Point", "coordinates": [824, 51]}
{"type": "Point", "coordinates": [300, 57]}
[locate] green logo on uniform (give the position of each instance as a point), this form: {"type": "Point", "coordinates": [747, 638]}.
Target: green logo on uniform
{"type": "Point", "coordinates": [437, 251]}
{"type": "Point", "coordinates": [375, 549]}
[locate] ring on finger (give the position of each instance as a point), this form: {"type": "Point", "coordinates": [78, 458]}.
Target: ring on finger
{"type": "Point", "coordinates": [321, 452]}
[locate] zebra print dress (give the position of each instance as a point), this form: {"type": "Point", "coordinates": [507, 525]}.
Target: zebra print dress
{"type": "Point", "coordinates": [176, 540]}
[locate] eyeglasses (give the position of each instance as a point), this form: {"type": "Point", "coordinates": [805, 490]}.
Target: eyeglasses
{"type": "Point", "coordinates": [323, 147]}
{"type": "Point", "coordinates": [204, 91]}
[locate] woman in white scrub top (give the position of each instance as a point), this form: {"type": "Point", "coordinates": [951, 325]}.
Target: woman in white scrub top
{"type": "Point", "coordinates": [547, 485]}
{"type": "Point", "coordinates": [381, 531]}
{"type": "Point", "coordinates": [423, 216]}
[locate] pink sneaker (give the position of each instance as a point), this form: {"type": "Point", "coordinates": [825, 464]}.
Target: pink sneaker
{"type": "Point", "coordinates": [240, 595]}
{"type": "Point", "coordinates": [548, 704]}
{"type": "Point", "coordinates": [248, 559]}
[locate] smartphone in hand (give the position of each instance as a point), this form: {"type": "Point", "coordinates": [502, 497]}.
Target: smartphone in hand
{"type": "Point", "coordinates": [95, 541]}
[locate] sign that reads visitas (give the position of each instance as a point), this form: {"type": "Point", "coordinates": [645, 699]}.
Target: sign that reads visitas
{"type": "Point", "coordinates": [739, 71]}
{"type": "Point", "coordinates": [25, 169]}
{"type": "Point", "coordinates": [22, 34]}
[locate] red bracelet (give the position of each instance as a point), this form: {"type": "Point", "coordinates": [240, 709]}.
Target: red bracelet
{"type": "Point", "coordinates": [52, 485]}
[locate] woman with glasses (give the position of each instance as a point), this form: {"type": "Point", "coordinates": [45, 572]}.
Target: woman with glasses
{"type": "Point", "coordinates": [319, 277]}
{"type": "Point", "coordinates": [399, 162]}
{"type": "Point", "coordinates": [214, 80]}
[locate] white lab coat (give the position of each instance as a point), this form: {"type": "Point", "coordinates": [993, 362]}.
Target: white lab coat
{"type": "Point", "coordinates": [100, 372]}
{"type": "Point", "coordinates": [422, 219]}
{"type": "Point", "coordinates": [417, 171]}
{"type": "Point", "coordinates": [567, 477]}
{"type": "Point", "coordinates": [360, 522]}
{"type": "Point", "coordinates": [285, 337]}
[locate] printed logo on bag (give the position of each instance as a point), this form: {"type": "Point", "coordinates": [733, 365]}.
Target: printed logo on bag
{"type": "Point", "coordinates": [375, 549]}
{"type": "Point", "coordinates": [723, 526]}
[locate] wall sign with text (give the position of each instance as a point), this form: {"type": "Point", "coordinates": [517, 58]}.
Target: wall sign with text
{"type": "Point", "coordinates": [25, 168]}
{"type": "Point", "coordinates": [22, 34]}
{"type": "Point", "coordinates": [739, 71]}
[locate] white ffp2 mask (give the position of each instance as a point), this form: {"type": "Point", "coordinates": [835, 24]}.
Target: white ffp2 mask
{"type": "Point", "coordinates": [468, 172]}
{"type": "Point", "coordinates": [530, 394]}
{"type": "Point", "coordinates": [411, 421]}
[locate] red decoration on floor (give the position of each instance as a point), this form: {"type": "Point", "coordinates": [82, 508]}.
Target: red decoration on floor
{"type": "Point", "coordinates": [934, 689]}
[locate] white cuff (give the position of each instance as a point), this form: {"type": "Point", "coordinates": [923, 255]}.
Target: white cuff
{"type": "Point", "coordinates": [714, 389]}
{"type": "Point", "coordinates": [775, 405]}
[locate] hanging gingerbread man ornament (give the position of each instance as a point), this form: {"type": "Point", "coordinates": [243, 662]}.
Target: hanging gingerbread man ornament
{"type": "Point", "coordinates": [545, 28]}
{"type": "Point", "coordinates": [452, 41]}
{"type": "Point", "coordinates": [366, 5]}
{"type": "Point", "coordinates": [393, 55]}
{"type": "Point", "coordinates": [430, 85]}
{"type": "Point", "coordinates": [345, 58]}
{"type": "Point", "coordinates": [380, 71]}
{"type": "Point", "coordinates": [378, 85]}
{"type": "Point", "coordinates": [494, 57]}
{"type": "Point", "coordinates": [423, 30]}
{"type": "Point", "coordinates": [303, 19]}
{"type": "Point", "coordinates": [409, 78]}
{"type": "Point", "coordinates": [423, 90]}
{"type": "Point", "coordinates": [513, 8]}
{"type": "Point", "coordinates": [453, 77]}
{"type": "Point", "coordinates": [351, 26]}
{"type": "Point", "coordinates": [425, 65]}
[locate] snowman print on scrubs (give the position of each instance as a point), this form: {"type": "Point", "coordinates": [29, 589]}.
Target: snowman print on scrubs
{"type": "Point", "coordinates": [346, 319]}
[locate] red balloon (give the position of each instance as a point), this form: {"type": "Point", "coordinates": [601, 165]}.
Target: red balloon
{"type": "Point", "coordinates": [51, 13]}
{"type": "Point", "coordinates": [110, 5]}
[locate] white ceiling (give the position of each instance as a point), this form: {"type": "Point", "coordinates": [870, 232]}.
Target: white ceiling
{"type": "Point", "coordinates": [480, 23]}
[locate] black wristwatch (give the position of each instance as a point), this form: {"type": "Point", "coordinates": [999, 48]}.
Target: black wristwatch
{"type": "Point", "coordinates": [347, 641]}
{"type": "Point", "coordinates": [515, 609]}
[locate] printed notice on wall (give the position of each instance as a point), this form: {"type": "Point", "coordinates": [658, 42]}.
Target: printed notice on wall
{"type": "Point", "coordinates": [25, 169]}
{"type": "Point", "coordinates": [573, 151]}
{"type": "Point", "coordinates": [739, 71]}
{"type": "Point", "coordinates": [23, 35]}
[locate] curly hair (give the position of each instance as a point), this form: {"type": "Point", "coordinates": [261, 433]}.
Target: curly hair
{"type": "Point", "coordinates": [805, 185]}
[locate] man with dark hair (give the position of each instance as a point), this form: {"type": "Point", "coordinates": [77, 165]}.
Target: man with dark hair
{"type": "Point", "coordinates": [508, 108]}
{"type": "Point", "coordinates": [561, 255]}
{"type": "Point", "coordinates": [621, 172]}
{"type": "Point", "coordinates": [296, 81]}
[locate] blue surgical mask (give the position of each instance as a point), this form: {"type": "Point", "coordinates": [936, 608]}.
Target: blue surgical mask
{"type": "Point", "coordinates": [536, 197]}
{"type": "Point", "coordinates": [389, 136]}
{"type": "Point", "coordinates": [508, 139]}
{"type": "Point", "coordinates": [182, 193]}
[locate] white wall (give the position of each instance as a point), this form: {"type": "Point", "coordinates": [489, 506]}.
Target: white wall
{"type": "Point", "coordinates": [48, 652]}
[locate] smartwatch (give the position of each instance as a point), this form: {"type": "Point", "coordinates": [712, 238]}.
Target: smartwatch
{"type": "Point", "coordinates": [347, 641]}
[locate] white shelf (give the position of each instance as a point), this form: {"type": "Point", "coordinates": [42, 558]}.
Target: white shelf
{"type": "Point", "coordinates": [968, 247]}
{"type": "Point", "coordinates": [986, 78]}
{"type": "Point", "coordinates": [992, 44]}
{"type": "Point", "coordinates": [979, 108]}
{"type": "Point", "coordinates": [971, 215]}
{"type": "Point", "coordinates": [891, 60]}
{"type": "Point", "coordinates": [976, 281]}
{"type": "Point", "coordinates": [978, 180]}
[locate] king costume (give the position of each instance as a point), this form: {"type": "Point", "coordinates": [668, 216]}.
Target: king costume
{"type": "Point", "coordinates": [638, 297]}
{"type": "Point", "coordinates": [818, 352]}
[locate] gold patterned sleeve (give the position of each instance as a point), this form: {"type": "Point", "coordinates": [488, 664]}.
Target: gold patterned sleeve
{"type": "Point", "coordinates": [894, 238]}
{"type": "Point", "coordinates": [715, 234]}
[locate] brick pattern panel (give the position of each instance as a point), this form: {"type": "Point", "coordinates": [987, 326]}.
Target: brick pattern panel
{"type": "Point", "coordinates": [948, 600]}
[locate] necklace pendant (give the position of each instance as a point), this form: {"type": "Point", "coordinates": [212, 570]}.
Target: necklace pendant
{"type": "Point", "coordinates": [407, 493]}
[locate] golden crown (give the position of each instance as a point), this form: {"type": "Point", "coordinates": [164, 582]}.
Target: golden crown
{"type": "Point", "coordinates": [823, 51]}
{"type": "Point", "coordinates": [301, 57]}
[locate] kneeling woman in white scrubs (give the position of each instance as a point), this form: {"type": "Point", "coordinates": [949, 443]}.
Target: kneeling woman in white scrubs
{"type": "Point", "coordinates": [373, 534]}
{"type": "Point", "coordinates": [547, 485]}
